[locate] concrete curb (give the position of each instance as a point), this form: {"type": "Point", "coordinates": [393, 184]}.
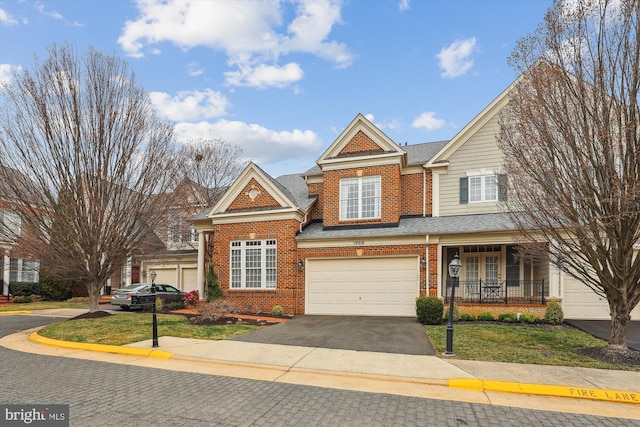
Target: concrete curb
{"type": "Point", "coordinates": [15, 312]}
{"type": "Point", "coordinates": [472, 384]}
{"type": "Point", "coordinates": [131, 351]}
{"type": "Point", "coordinates": [617, 396]}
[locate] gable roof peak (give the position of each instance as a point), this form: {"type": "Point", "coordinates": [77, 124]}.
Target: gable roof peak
{"type": "Point", "coordinates": [377, 143]}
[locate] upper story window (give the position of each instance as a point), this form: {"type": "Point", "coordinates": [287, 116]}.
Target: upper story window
{"type": "Point", "coordinates": [11, 225]}
{"type": "Point", "coordinates": [360, 198]}
{"type": "Point", "coordinates": [253, 264]}
{"type": "Point", "coordinates": [483, 188]}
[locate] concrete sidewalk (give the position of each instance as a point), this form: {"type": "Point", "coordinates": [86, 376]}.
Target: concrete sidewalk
{"type": "Point", "coordinates": [566, 389]}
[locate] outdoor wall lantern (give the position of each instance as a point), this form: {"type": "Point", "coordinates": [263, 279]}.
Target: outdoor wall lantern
{"type": "Point", "coordinates": [300, 265]}
{"type": "Point", "coordinates": [455, 266]}
{"type": "Point", "coordinates": [423, 263]}
{"type": "Point", "coordinates": [155, 320]}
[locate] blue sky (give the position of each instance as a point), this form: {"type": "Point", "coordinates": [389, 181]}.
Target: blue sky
{"type": "Point", "coordinates": [282, 79]}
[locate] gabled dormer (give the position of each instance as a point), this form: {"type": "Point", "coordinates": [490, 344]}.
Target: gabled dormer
{"type": "Point", "coordinates": [254, 196]}
{"type": "Point", "coordinates": [360, 166]}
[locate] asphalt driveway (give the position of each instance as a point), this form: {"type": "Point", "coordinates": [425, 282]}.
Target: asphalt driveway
{"type": "Point", "coordinates": [601, 328]}
{"type": "Point", "coordinates": [401, 335]}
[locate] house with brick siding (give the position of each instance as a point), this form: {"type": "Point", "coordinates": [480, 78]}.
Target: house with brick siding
{"type": "Point", "coordinates": [374, 225]}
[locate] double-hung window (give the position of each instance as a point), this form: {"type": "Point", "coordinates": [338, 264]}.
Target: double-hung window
{"type": "Point", "coordinates": [360, 198]}
{"type": "Point", "coordinates": [483, 188]}
{"type": "Point", "coordinates": [253, 264]}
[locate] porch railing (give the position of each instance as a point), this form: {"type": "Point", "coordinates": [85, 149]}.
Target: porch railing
{"type": "Point", "coordinates": [493, 292]}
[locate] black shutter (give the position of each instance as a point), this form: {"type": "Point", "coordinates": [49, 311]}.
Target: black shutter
{"type": "Point", "coordinates": [464, 190]}
{"type": "Point", "coordinates": [502, 188]}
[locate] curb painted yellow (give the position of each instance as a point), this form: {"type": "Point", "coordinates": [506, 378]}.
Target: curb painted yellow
{"type": "Point", "coordinates": [16, 312]}
{"type": "Point", "coordinates": [132, 351]}
{"type": "Point", "coordinates": [548, 390]}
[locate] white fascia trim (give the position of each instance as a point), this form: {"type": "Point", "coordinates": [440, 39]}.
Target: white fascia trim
{"type": "Point", "coordinates": [351, 162]}
{"type": "Point", "coordinates": [242, 217]}
{"type": "Point", "coordinates": [410, 170]}
{"type": "Point", "coordinates": [356, 242]}
{"type": "Point", "coordinates": [315, 179]}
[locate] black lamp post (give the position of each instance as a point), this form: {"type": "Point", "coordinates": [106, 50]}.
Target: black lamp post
{"type": "Point", "coordinates": [155, 320]}
{"type": "Point", "coordinates": [454, 271]}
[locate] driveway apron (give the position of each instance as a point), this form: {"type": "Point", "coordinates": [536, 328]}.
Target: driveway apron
{"type": "Point", "coordinates": [401, 335]}
{"type": "Point", "coordinates": [600, 329]}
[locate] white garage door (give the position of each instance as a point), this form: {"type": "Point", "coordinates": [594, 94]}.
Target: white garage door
{"type": "Point", "coordinates": [189, 279]}
{"type": "Point", "coordinates": [166, 276]}
{"type": "Point", "coordinates": [362, 286]}
{"type": "Point", "coordinates": [580, 302]}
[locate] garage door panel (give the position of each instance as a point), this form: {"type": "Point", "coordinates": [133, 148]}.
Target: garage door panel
{"type": "Point", "coordinates": [363, 286]}
{"type": "Point", "coordinates": [580, 302]}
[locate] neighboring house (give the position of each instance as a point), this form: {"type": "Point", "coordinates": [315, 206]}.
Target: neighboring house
{"type": "Point", "coordinates": [375, 224]}
{"type": "Point", "coordinates": [176, 246]}
{"type": "Point", "coordinates": [15, 265]}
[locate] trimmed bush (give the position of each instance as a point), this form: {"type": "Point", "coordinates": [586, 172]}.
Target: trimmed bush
{"type": "Point", "coordinates": [54, 288]}
{"type": "Point", "coordinates": [429, 310]}
{"type": "Point", "coordinates": [456, 313]}
{"type": "Point", "coordinates": [554, 314]}
{"type": "Point", "coordinates": [277, 310]}
{"type": "Point", "coordinates": [467, 317]}
{"type": "Point", "coordinates": [22, 299]}
{"type": "Point", "coordinates": [486, 316]}
{"type": "Point", "coordinates": [214, 292]}
{"type": "Point", "coordinates": [529, 318]}
{"type": "Point", "coordinates": [24, 289]}
{"type": "Point", "coordinates": [507, 317]}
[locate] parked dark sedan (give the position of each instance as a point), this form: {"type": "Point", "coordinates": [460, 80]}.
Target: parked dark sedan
{"type": "Point", "coordinates": [167, 293]}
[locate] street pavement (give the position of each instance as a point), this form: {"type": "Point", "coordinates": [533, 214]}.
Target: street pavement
{"type": "Point", "coordinates": [578, 391]}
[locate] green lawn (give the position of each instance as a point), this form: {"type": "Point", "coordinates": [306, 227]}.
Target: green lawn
{"type": "Point", "coordinates": [519, 344]}
{"type": "Point", "coordinates": [127, 328]}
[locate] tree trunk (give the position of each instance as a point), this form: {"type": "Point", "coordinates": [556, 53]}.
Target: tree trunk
{"type": "Point", "coordinates": [620, 318]}
{"type": "Point", "coordinates": [93, 289]}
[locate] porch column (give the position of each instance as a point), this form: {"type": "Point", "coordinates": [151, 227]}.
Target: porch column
{"type": "Point", "coordinates": [555, 278]}
{"type": "Point", "coordinates": [6, 263]}
{"type": "Point", "coordinates": [127, 272]}
{"type": "Point", "coordinates": [201, 273]}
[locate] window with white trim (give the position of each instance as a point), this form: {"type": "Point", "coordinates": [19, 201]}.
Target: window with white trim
{"type": "Point", "coordinates": [253, 264]}
{"type": "Point", "coordinates": [483, 188]}
{"type": "Point", "coordinates": [360, 198]}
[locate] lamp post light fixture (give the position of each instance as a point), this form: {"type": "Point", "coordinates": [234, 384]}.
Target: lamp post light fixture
{"type": "Point", "coordinates": [155, 320]}
{"type": "Point", "coordinates": [455, 266]}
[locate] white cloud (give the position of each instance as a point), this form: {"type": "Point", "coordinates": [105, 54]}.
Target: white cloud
{"type": "Point", "coordinates": [262, 145]}
{"type": "Point", "coordinates": [194, 69]}
{"type": "Point", "coordinates": [190, 105]}
{"type": "Point", "coordinates": [393, 124]}
{"type": "Point", "coordinates": [428, 121]}
{"type": "Point", "coordinates": [7, 19]}
{"type": "Point", "coordinates": [455, 60]}
{"type": "Point", "coordinates": [52, 13]}
{"type": "Point", "coordinates": [254, 35]}
{"type": "Point", "coordinates": [263, 76]}
{"type": "Point", "coordinates": [404, 5]}
{"type": "Point", "coordinates": [5, 72]}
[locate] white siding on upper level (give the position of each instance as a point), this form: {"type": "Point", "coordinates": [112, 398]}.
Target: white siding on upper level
{"type": "Point", "coordinates": [478, 155]}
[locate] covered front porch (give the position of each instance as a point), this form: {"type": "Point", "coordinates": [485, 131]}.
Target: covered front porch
{"type": "Point", "coordinates": [495, 274]}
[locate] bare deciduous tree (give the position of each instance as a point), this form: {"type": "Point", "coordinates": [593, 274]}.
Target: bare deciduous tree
{"type": "Point", "coordinates": [212, 165]}
{"type": "Point", "coordinates": [571, 139]}
{"type": "Point", "coordinates": [94, 161]}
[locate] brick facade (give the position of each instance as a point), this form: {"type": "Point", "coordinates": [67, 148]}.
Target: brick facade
{"type": "Point", "coordinates": [262, 198]}
{"type": "Point", "coordinates": [287, 293]}
{"type": "Point", "coordinates": [360, 143]}
{"type": "Point", "coordinates": [391, 194]}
